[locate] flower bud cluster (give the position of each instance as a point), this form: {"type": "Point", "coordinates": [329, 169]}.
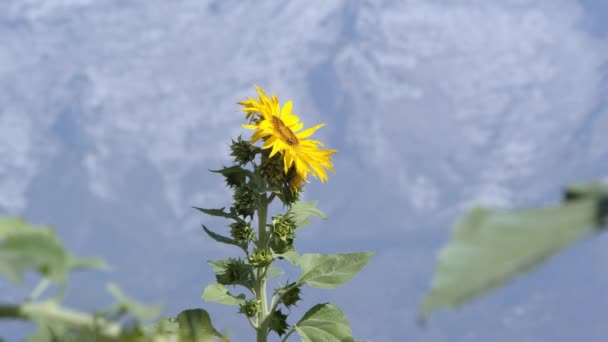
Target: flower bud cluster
{"type": "Point", "coordinates": [243, 151]}
{"type": "Point", "coordinates": [245, 199]}
{"type": "Point", "coordinates": [283, 233]}
{"type": "Point", "coordinates": [250, 308]}
{"type": "Point", "coordinates": [260, 258]}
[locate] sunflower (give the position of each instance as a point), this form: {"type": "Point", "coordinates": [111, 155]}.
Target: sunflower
{"type": "Point", "coordinates": [264, 104]}
{"type": "Point", "coordinates": [282, 131]}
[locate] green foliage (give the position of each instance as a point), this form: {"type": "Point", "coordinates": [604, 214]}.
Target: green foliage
{"type": "Point", "coordinates": [300, 213]}
{"type": "Point", "coordinates": [330, 271]}
{"type": "Point", "coordinates": [24, 247]}
{"type": "Point", "coordinates": [324, 322]}
{"type": "Point", "coordinates": [219, 293]}
{"type": "Point", "coordinates": [195, 325]}
{"type": "Point", "coordinates": [223, 239]}
{"type": "Point", "coordinates": [491, 247]}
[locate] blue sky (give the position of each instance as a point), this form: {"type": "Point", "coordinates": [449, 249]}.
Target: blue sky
{"type": "Point", "coordinates": [111, 113]}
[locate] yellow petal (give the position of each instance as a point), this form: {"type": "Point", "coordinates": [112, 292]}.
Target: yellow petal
{"type": "Point", "coordinates": [309, 131]}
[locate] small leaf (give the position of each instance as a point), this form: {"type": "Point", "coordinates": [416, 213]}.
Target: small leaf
{"type": "Point", "coordinates": [330, 271]}
{"type": "Point", "coordinates": [300, 213]}
{"type": "Point", "coordinates": [75, 264]}
{"type": "Point", "coordinates": [491, 247]}
{"type": "Point", "coordinates": [220, 238]}
{"type": "Point", "coordinates": [219, 293]}
{"type": "Point", "coordinates": [195, 325]}
{"type": "Point", "coordinates": [140, 311]}
{"type": "Point", "coordinates": [324, 322]}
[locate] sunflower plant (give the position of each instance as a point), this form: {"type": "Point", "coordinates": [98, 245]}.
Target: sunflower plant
{"type": "Point", "coordinates": [274, 164]}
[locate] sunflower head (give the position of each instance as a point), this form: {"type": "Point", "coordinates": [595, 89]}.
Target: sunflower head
{"type": "Point", "coordinates": [281, 132]}
{"type": "Point", "coordinates": [254, 108]}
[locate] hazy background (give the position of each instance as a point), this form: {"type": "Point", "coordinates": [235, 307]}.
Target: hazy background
{"type": "Point", "coordinates": [111, 113]}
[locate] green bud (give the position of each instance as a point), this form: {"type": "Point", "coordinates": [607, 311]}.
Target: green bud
{"type": "Point", "coordinates": [237, 272]}
{"type": "Point", "coordinates": [272, 169]}
{"type": "Point", "coordinates": [283, 227]}
{"type": "Point", "coordinates": [283, 234]}
{"type": "Point", "coordinates": [245, 200]}
{"type": "Point", "coordinates": [250, 308]}
{"type": "Point", "coordinates": [291, 188]}
{"type": "Point", "coordinates": [278, 322]}
{"type": "Point", "coordinates": [291, 295]}
{"type": "Point", "coordinates": [260, 258]}
{"type": "Point", "coordinates": [241, 231]}
{"type": "Point", "coordinates": [243, 151]}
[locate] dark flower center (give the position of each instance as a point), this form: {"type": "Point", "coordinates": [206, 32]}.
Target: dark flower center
{"type": "Point", "coordinates": [284, 132]}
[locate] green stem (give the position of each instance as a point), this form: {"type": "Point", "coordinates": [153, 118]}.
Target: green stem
{"type": "Point", "coordinates": [53, 313]}
{"type": "Point", "coordinates": [288, 334]}
{"type": "Point", "coordinates": [262, 331]}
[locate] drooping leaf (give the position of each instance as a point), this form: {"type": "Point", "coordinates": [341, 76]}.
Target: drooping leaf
{"type": "Point", "coordinates": [140, 311]}
{"type": "Point", "coordinates": [490, 247]}
{"type": "Point", "coordinates": [220, 213]}
{"type": "Point", "coordinates": [220, 238]}
{"type": "Point", "coordinates": [195, 325]}
{"type": "Point", "coordinates": [219, 293]}
{"type": "Point", "coordinates": [324, 322]}
{"type": "Point", "coordinates": [235, 175]}
{"type": "Point", "coordinates": [328, 271]}
{"type": "Point", "coordinates": [300, 213]}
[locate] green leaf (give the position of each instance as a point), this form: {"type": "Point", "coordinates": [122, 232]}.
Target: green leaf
{"type": "Point", "coordinates": [140, 311]}
{"type": "Point", "coordinates": [291, 256]}
{"type": "Point", "coordinates": [195, 325]}
{"type": "Point", "coordinates": [324, 322]}
{"type": "Point", "coordinates": [24, 248]}
{"type": "Point", "coordinates": [236, 174]}
{"type": "Point", "coordinates": [221, 238]}
{"type": "Point", "coordinates": [219, 293]}
{"type": "Point", "coordinates": [301, 212]}
{"type": "Point", "coordinates": [75, 264]}
{"type": "Point", "coordinates": [274, 272]}
{"type": "Point", "coordinates": [330, 271]}
{"type": "Point", "coordinates": [490, 247]}
{"type": "Point", "coordinates": [221, 213]}
{"type": "Point", "coordinates": [12, 225]}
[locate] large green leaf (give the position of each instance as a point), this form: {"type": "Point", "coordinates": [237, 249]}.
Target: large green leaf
{"type": "Point", "coordinates": [490, 247]}
{"type": "Point", "coordinates": [195, 325]}
{"type": "Point", "coordinates": [301, 212]}
{"type": "Point", "coordinates": [330, 271]}
{"type": "Point", "coordinates": [326, 323]}
{"type": "Point", "coordinates": [219, 293]}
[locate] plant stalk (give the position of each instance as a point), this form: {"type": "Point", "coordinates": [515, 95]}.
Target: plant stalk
{"type": "Point", "coordinates": [262, 331]}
